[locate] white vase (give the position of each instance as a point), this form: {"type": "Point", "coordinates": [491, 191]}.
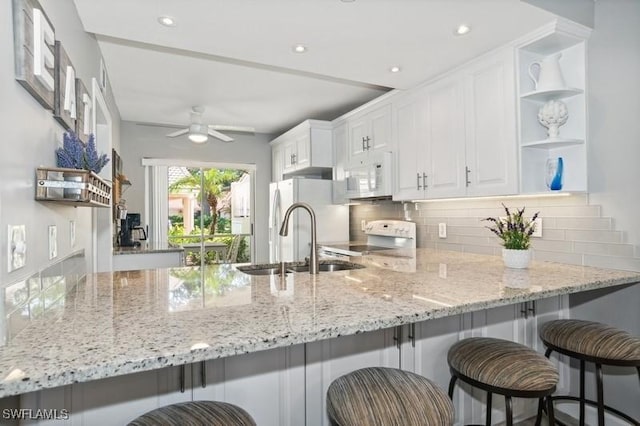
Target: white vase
{"type": "Point", "coordinates": [518, 259]}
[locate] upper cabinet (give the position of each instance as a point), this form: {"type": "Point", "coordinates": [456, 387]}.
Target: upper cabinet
{"type": "Point", "coordinates": [552, 96]}
{"type": "Point", "coordinates": [369, 131]}
{"type": "Point", "coordinates": [304, 150]}
{"type": "Point", "coordinates": [457, 136]}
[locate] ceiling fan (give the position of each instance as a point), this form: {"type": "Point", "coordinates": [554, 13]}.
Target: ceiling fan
{"type": "Point", "coordinates": [199, 132]}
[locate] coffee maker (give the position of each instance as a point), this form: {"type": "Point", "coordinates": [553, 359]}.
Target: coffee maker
{"type": "Point", "coordinates": [131, 233]}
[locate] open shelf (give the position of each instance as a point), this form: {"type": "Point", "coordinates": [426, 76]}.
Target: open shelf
{"type": "Point", "coordinates": [547, 95]}
{"type": "Point", "coordinates": [552, 143]}
{"type": "Point", "coordinates": [78, 188]}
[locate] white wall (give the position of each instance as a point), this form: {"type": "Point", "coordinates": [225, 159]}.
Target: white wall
{"type": "Point", "coordinates": [30, 137]}
{"type": "Point", "coordinates": [614, 108]}
{"type": "Point", "coordinates": [138, 142]}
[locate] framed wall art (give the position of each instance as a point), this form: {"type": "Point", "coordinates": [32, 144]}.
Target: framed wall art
{"type": "Point", "coordinates": [34, 51]}
{"type": "Point", "coordinates": [65, 99]}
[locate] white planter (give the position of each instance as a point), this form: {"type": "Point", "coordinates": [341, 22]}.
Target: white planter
{"type": "Point", "coordinates": [518, 259]}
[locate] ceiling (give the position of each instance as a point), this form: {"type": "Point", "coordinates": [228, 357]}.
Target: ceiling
{"type": "Point", "coordinates": [235, 56]}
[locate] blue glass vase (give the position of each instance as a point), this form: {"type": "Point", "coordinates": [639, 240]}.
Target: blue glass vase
{"type": "Point", "coordinates": [554, 174]}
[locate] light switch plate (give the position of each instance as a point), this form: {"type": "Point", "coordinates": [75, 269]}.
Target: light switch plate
{"type": "Point", "coordinates": [53, 242]}
{"type": "Point", "coordinates": [538, 230]}
{"type": "Point", "coordinates": [72, 233]}
{"type": "Point", "coordinates": [16, 246]}
{"type": "Point", "coordinates": [442, 230]}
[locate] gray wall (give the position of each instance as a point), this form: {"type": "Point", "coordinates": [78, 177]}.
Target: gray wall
{"type": "Point", "coordinates": [139, 142]}
{"type": "Point", "coordinates": [30, 136]}
{"type": "Point", "coordinates": [614, 106]}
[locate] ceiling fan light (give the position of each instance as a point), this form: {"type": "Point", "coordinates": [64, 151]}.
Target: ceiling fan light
{"type": "Point", "coordinates": [198, 137]}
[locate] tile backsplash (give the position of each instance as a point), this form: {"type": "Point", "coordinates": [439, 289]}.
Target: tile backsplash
{"type": "Point", "coordinates": [43, 293]}
{"type": "Point", "coordinates": [573, 231]}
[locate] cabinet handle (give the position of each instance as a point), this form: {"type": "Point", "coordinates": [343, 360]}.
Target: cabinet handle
{"type": "Point", "coordinates": [524, 310]}
{"type": "Point", "coordinates": [418, 179]}
{"type": "Point", "coordinates": [397, 336]}
{"type": "Point", "coordinates": [424, 180]}
{"type": "Point", "coordinates": [532, 309]}
{"type": "Point", "coordinates": [367, 140]}
{"type": "Point", "coordinates": [182, 373]}
{"type": "Point", "coordinates": [364, 147]}
{"type": "Point", "coordinates": [466, 176]}
{"type": "Point", "coordinates": [412, 334]}
{"type": "Point", "coordinates": [203, 373]}
{"type": "Point", "coordinates": [293, 159]}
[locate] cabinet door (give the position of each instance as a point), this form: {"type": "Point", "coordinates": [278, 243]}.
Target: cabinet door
{"type": "Point", "coordinates": [358, 130]}
{"type": "Point", "coordinates": [268, 384]}
{"type": "Point", "coordinates": [339, 162]}
{"type": "Point", "coordinates": [289, 152]}
{"type": "Point", "coordinates": [303, 151]}
{"type": "Point", "coordinates": [491, 127]}
{"type": "Point", "coordinates": [327, 360]}
{"type": "Point", "coordinates": [379, 135]}
{"type": "Point", "coordinates": [410, 115]}
{"type": "Point", "coordinates": [445, 153]}
{"type": "Point", "coordinates": [111, 401]}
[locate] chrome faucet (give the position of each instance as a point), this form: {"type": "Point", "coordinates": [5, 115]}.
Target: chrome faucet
{"type": "Point", "coordinates": [284, 231]}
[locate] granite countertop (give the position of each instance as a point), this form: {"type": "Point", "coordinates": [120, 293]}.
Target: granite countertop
{"type": "Point", "coordinates": [123, 322]}
{"type": "Point", "coordinates": [148, 247]}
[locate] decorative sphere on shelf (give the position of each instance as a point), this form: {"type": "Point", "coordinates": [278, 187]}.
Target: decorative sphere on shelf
{"type": "Point", "coordinates": [552, 115]}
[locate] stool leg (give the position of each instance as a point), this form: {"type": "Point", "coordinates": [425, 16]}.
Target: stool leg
{"type": "Point", "coordinates": [507, 403]}
{"type": "Point", "coordinates": [539, 415]}
{"type": "Point", "coordinates": [600, 395]}
{"type": "Point", "coordinates": [452, 383]}
{"type": "Point", "coordinates": [582, 397]}
{"type": "Point", "coordinates": [551, 414]}
{"type": "Point", "coordinates": [488, 421]}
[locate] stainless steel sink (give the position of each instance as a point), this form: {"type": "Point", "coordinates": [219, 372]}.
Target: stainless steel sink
{"type": "Point", "coordinates": [277, 269]}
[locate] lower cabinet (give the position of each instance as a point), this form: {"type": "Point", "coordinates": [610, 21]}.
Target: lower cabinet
{"type": "Point", "coordinates": [326, 360]}
{"type": "Point", "coordinates": [288, 386]}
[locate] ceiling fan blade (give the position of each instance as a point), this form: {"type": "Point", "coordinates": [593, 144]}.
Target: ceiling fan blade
{"type": "Point", "coordinates": [221, 136]}
{"type": "Point", "coordinates": [178, 133]}
{"type": "Point", "coordinates": [245, 129]}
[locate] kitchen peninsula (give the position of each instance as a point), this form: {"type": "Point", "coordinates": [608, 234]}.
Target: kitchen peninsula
{"type": "Point", "coordinates": [126, 322]}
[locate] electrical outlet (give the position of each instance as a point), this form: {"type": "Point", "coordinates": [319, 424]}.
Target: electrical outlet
{"type": "Point", "coordinates": [538, 229]}
{"type": "Point", "coordinates": [442, 270]}
{"type": "Point", "coordinates": [16, 247]}
{"type": "Point", "coordinates": [363, 225]}
{"type": "Point", "coordinates": [72, 233]}
{"type": "Point", "coordinates": [53, 242]}
{"type": "Point", "coordinates": [442, 230]}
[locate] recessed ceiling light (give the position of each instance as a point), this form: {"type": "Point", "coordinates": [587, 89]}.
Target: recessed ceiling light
{"type": "Point", "coordinates": [167, 21]}
{"type": "Point", "coordinates": [395, 69]}
{"type": "Point", "coordinates": [299, 48]}
{"type": "Point", "coordinates": [462, 29]}
{"type": "Point", "coordinates": [347, 1]}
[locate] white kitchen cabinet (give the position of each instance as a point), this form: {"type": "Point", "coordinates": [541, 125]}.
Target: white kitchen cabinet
{"type": "Point", "coordinates": [115, 400]}
{"type": "Point", "coordinates": [490, 126]}
{"type": "Point", "coordinates": [369, 131]}
{"type": "Point", "coordinates": [456, 136]}
{"type": "Point", "coordinates": [326, 360]}
{"type": "Point", "coordinates": [148, 260]}
{"type": "Point", "coordinates": [425, 346]}
{"type": "Point", "coordinates": [268, 384]}
{"type": "Point", "coordinates": [304, 150]}
{"type": "Point", "coordinates": [536, 147]}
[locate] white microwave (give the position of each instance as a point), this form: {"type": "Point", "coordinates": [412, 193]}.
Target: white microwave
{"type": "Point", "coordinates": [369, 178]}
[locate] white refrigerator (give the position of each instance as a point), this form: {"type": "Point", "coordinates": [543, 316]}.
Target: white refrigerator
{"type": "Point", "coordinates": [332, 221]}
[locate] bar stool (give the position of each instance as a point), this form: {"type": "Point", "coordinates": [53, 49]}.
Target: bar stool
{"type": "Point", "coordinates": [506, 368]}
{"type": "Point", "coordinates": [378, 396]}
{"type": "Point", "coordinates": [593, 342]}
{"type": "Point", "coordinates": [196, 413]}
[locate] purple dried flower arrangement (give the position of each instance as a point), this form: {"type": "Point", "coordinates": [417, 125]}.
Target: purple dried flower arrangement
{"type": "Point", "coordinates": [74, 154]}
{"type": "Point", "coordinates": [514, 230]}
